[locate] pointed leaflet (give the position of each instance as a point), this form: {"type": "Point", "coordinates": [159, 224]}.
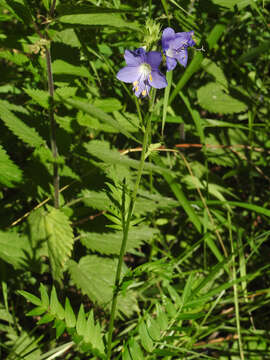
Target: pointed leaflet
{"type": "Point", "coordinates": [25, 133]}
{"type": "Point", "coordinates": [10, 172]}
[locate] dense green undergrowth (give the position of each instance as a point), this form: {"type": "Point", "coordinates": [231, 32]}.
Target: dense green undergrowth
{"type": "Point", "coordinates": [182, 176]}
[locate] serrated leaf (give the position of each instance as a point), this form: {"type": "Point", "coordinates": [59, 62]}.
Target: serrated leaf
{"type": "Point", "coordinates": [102, 151]}
{"type": "Point", "coordinates": [68, 37]}
{"type": "Point", "coordinates": [212, 98]}
{"type": "Point", "coordinates": [13, 249]}
{"type": "Point", "coordinates": [41, 97]}
{"type": "Point", "coordinates": [97, 113]}
{"type": "Point", "coordinates": [10, 172]}
{"type": "Point", "coordinates": [60, 240]}
{"type": "Point", "coordinates": [20, 129]}
{"type": "Point", "coordinates": [216, 71]}
{"type": "Point", "coordinates": [70, 317]}
{"type": "Point", "coordinates": [51, 232]}
{"type": "Point", "coordinates": [95, 199]}
{"type": "Point", "coordinates": [110, 243]}
{"type": "Point", "coordinates": [95, 276]}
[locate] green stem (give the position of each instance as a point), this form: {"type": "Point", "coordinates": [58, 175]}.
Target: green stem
{"type": "Point", "coordinates": [126, 227]}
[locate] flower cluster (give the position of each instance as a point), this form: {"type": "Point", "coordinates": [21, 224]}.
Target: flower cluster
{"type": "Point", "coordinates": [142, 69]}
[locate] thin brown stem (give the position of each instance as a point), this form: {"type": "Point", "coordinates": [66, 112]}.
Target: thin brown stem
{"type": "Point", "coordinates": [53, 128]}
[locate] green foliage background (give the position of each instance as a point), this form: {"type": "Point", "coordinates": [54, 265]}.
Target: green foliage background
{"type": "Point", "coordinates": [195, 284]}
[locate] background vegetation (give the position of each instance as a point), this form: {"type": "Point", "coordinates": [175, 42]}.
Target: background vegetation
{"type": "Point", "coordinates": [195, 280]}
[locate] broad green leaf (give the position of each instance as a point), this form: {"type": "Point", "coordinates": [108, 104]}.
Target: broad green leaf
{"type": "Point", "coordinates": [67, 36]}
{"type": "Point", "coordinates": [230, 4]}
{"type": "Point", "coordinates": [101, 19]}
{"type": "Point", "coordinates": [145, 338]}
{"type": "Point", "coordinates": [110, 243]}
{"type": "Point", "coordinates": [108, 105]}
{"type": "Point", "coordinates": [20, 10]}
{"type": "Point", "coordinates": [41, 97]}
{"type": "Point", "coordinates": [13, 249]}
{"type": "Point", "coordinates": [51, 231]}
{"type": "Point", "coordinates": [95, 276]}
{"type": "Point", "coordinates": [10, 172]}
{"type": "Point", "coordinates": [19, 128]}
{"type": "Point", "coordinates": [101, 150]}
{"type": "Point", "coordinates": [60, 240]}
{"type": "Point", "coordinates": [216, 71]}
{"type": "Point", "coordinates": [135, 350]}
{"type": "Point", "coordinates": [97, 113]}
{"type": "Point", "coordinates": [63, 67]}
{"type": "Point", "coordinates": [212, 98]}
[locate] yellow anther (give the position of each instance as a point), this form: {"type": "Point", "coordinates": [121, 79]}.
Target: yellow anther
{"type": "Point", "coordinates": [135, 83]}
{"type": "Point", "coordinates": [136, 88]}
{"type": "Point", "coordinates": [150, 77]}
{"type": "Point", "coordinates": [143, 92]}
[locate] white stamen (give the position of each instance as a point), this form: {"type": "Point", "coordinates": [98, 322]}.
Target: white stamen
{"type": "Point", "coordinates": [145, 71]}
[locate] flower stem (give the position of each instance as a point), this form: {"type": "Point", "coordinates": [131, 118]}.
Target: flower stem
{"type": "Point", "coordinates": [126, 227]}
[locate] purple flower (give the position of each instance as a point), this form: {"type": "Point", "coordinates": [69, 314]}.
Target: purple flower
{"type": "Point", "coordinates": [142, 70]}
{"type": "Point", "coordinates": [175, 47]}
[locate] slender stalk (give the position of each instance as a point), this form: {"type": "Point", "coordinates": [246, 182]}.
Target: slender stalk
{"type": "Point", "coordinates": [52, 127]}
{"type": "Point", "coordinates": [126, 227]}
{"type": "Point", "coordinates": [235, 291]}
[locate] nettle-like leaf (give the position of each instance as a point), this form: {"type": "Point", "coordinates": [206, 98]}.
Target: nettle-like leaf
{"type": "Point", "coordinates": [95, 276]}
{"type": "Point", "coordinates": [216, 71]}
{"type": "Point", "coordinates": [102, 151]}
{"type": "Point", "coordinates": [97, 113]}
{"type": "Point", "coordinates": [53, 230]}
{"type": "Point", "coordinates": [110, 243]}
{"type": "Point", "coordinates": [13, 248]}
{"type": "Point", "coordinates": [213, 98]}
{"type": "Point", "coordinates": [24, 132]}
{"type": "Point", "coordinates": [10, 172]}
{"type": "Point", "coordinates": [40, 97]}
{"type": "Point", "coordinates": [83, 329]}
